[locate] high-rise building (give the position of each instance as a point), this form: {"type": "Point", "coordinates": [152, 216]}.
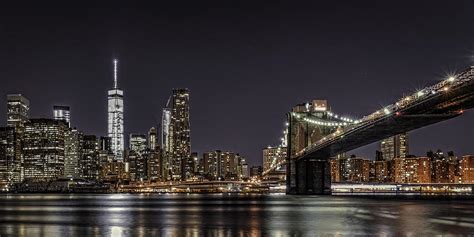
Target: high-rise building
{"type": "Point", "coordinates": [115, 117]}
{"type": "Point", "coordinates": [105, 144]}
{"type": "Point", "coordinates": [62, 112]}
{"type": "Point", "coordinates": [43, 149]}
{"type": "Point", "coordinates": [154, 163]}
{"type": "Point", "coordinates": [166, 144]}
{"type": "Point", "coordinates": [152, 138]}
{"type": "Point", "coordinates": [9, 167]}
{"type": "Point", "coordinates": [180, 133]}
{"type": "Point", "coordinates": [18, 111]}
{"type": "Point", "coordinates": [72, 153]}
{"type": "Point", "coordinates": [138, 143]}
{"type": "Point", "coordinates": [396, 146]}
{"type": "Point", "coordinates": [90, 163]}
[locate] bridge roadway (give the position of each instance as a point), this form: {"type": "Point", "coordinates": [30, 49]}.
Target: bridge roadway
{"type": "Point", "coordinates": [308, 171]}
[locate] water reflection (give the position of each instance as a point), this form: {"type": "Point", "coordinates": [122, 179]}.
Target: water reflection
{"type": "Point", "coordinates": [227, 215]}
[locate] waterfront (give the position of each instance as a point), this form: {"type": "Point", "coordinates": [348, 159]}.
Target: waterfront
{"type": "Point", "coordinates": [227, 214]}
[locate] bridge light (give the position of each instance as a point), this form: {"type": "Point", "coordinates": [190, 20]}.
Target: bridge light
{"type": "Point", "coordinates": [451, 79]}
{"type": "Point", "coordinates": [287, 124]}
{"type": "Point", "coordinates": [446, 88]}
{"type": "Point", "coordinates": [386, 111]}
{"type": "Point", "coordinates": [420, 93]}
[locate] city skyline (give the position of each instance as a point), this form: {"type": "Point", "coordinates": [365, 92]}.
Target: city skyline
{"type": "Point", "coordinates": [229, 79]}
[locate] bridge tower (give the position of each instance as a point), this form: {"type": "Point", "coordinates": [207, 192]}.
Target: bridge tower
{"type": "Point", "coordinates": [308, 123]}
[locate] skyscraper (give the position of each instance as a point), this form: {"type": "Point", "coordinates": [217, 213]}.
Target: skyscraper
{"type": "Point", "coordinates": [43, 149]}
{"type": "Point", "coordinates": [181, 134]}
{"type": "Point", "coordinates": [18, 111]}
{"type": "Point", "coordinates": [72, 153]}
{"type": "Point", "coordinates": [89, 165]}
{"type": "Point", "coordinates": [396, 146]}
{"type": "Point", "coordinates": [8, 165]}
{"type": "Point", "coordinates": [115, 117]}
{"type": "Point", "coordinates": [138, 143]}
{"type": "Point", "coordinates": [166, 142]}
{"type": "Point", "coordinates": [61, 112]}
{"type": "Point", "coordinates": [152, 139]}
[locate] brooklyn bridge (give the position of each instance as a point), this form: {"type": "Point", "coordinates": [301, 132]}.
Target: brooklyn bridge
{"type": "Point", "coordinates": [314, 134]}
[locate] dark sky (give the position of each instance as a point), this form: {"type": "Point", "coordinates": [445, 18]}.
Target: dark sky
{"type": "Point", "coordinates": [245, 64]}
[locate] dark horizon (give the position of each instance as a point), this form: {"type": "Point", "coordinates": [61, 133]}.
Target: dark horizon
{"type": "Point", "coordinates": [246, 65]}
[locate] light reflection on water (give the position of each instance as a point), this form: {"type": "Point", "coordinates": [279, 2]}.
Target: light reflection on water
{"type": "Point", "coordinates": [227, 215]}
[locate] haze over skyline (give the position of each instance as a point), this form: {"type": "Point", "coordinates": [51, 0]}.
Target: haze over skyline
{"type": "Point", "coordinates": [245, 65]}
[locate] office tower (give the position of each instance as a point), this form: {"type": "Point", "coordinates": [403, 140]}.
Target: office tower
{"type": "Point", "coordinates": [43, 149]}
{"type": "Point", "coordinates": [18, 111]}
{"type": "Point", "coordinates": [396, 146]}
{"type": "Point", "coordinates": [61, 112]}
{"type": "Point", "coordinates": [152, 138]}
{"type": "Point", "coordinates": [106, 144]}
{"type": "Point", "coordinates": [273, 156]}
{"type": "Point", "coordinates": [166, 142]}
{"type": "Point", "coordinates": [138, 143]}
{"type": "Point", "coordinates": [9, 172]}
{"type": "Point", "coordinates": [180, 134]}
{"type": "Point", "coordinates": [72, 153]}
{"type": "Point", "coordinates": [115, 117]}
{"type": "Point", "coordinates": [90, 162]}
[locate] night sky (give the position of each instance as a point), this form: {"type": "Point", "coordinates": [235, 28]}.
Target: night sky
{"type": "Point", "coordinates": [246, 65]}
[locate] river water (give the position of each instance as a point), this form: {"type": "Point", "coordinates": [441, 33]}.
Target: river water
{"type": "Point", "coordinates": [228, 215]}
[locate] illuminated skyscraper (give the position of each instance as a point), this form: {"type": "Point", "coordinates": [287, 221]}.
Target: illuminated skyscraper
{"type": "Point", "coordinates": [166, 142]}
{"type": "Point", "coordinates": [115, 117]}
{"type": "Point", "coordinates": [72, 153]}
{"type": "Point", "coordinates": [18, 110]}
{"type": "Point", "coordinates": [138, 143]}
{"type": "Point", "coordinates": [180, 135]}
{"type": "Point", "coordinates": [61, 112]}
{"type": "Point", "coordinates": [152, 139]}
{"type": "Point", "coordinates": [396, 146]}
{"type": "Point", "coordinates": [43, 149]}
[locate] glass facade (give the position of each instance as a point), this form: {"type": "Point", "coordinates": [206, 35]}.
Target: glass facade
{"type": "Point", "coordinates": [396, 146]}
{"type": "Point", "coordinates": [115, 117]}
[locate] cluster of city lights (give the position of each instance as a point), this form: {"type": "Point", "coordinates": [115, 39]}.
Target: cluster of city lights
{"type": "Point", "coordinates": [345, 119]}
{"type": "Point", "coordinates": [328, 124]}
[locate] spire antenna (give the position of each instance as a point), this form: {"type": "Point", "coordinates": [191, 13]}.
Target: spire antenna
{"type": "Point", "coordinates": [115, 74]}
